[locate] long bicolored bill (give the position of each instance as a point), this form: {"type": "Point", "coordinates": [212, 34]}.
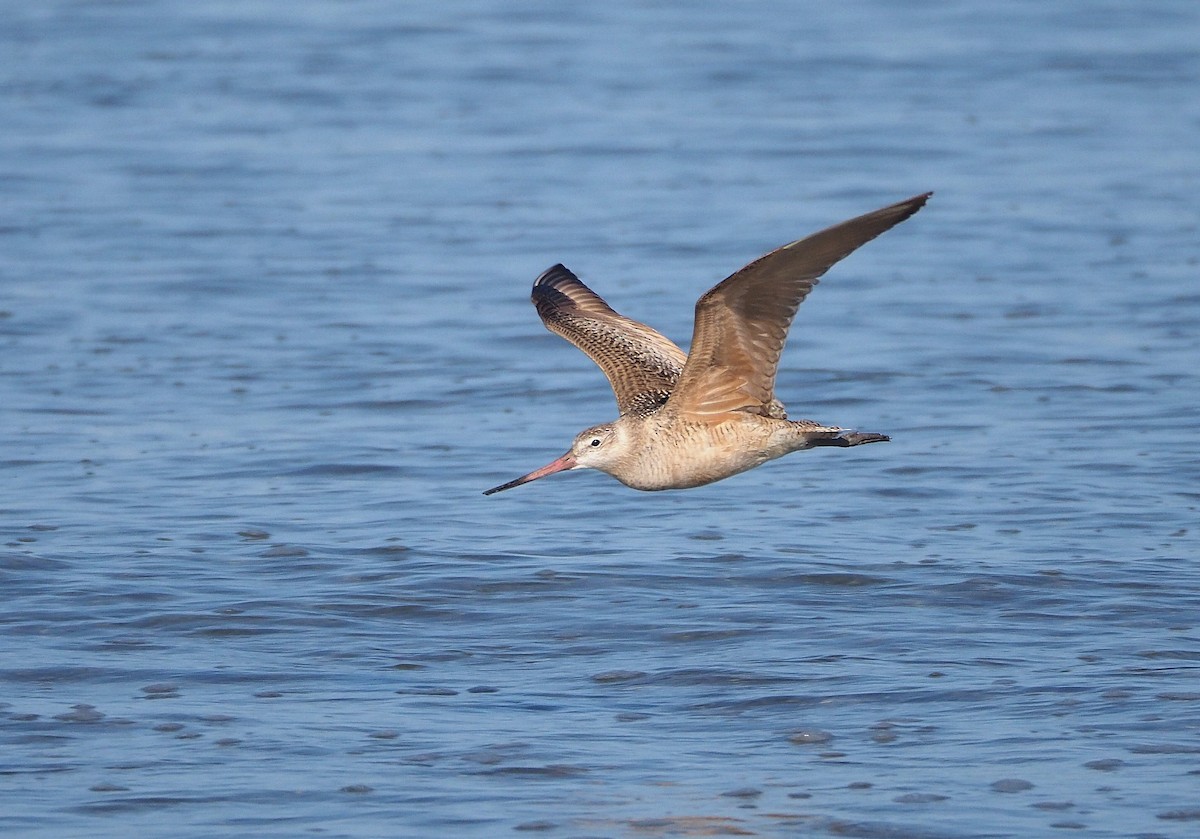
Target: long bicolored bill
{"type": "Point", "coordinates": [567, 461]}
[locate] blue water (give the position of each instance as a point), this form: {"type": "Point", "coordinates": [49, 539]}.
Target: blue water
{"type": "Point", "coordinates": [265, 337]}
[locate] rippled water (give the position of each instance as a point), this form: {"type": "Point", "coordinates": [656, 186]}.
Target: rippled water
{"type": "Point", "coordinates": [265, 337]}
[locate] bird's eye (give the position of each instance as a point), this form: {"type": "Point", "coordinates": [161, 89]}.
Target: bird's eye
{"type": "Point", "coordinates": [595, 442]}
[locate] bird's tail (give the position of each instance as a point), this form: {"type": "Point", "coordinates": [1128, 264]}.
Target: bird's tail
{"type": "Point", "coordinates": [847, 438]}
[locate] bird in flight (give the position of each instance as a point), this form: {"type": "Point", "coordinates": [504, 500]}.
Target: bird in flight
{"type": "Point", "coordinates": [689, 419]}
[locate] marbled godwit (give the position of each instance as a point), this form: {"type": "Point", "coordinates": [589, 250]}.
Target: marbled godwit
{"type": "Point", "coordinates": [689, 420]}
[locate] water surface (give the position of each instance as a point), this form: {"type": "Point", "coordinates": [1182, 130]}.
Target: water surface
{"type": "Point", "coordinates": [265, 337]}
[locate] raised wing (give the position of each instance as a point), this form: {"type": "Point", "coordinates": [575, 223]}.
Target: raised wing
{"type": "Point", "coordinates": [742, 323]}
{"type": "Point", "coordinates": [641, 365]}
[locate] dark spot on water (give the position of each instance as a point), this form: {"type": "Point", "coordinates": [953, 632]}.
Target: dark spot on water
{"type": "Point", "coordinates": [161, 690]}
{"type": "Point", "coordinates": [1191, 814]}
{"type": "Point", "coordinates": [549, 772]}
{"type": "Point", "coordinates": [1177, 655]}
{"type": "Point", "coordinates": [697, 635]}
{"type": "Point", "coordinates": [744, 792]}
{"type": "Point", "coordinates": [1011, 785]}
{"type": "Point", "coordinates": [1105, 765]}
{"type": "Point", "coordinates": [283, 551]}
{"type": "Point", "coordinates": [841, 580]}
{"type": "Point", "coordinates": [691, 826]}
{"type": "Point", "coordinates": [809, 737]}
{"type": "Point", "coordinates": [81, 714]}
{"type": "Point", "coordinates": [357, 789]}
{"type": "Point", "coordinates": [428, 691]}
{"type": "Point", "coordinates": [1164, 749]}
{"type": "Point", "coordinates": [612, 676]}
{"type": "Point", "coordinates": [919, 798]}
{"type": "Point", "coordinates": [388, 550]}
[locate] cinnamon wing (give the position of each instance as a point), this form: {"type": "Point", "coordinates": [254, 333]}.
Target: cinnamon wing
{"type": "Point", "coordinates": [641, 365]}
{"type": "Point", "coordinates": [742, 323]}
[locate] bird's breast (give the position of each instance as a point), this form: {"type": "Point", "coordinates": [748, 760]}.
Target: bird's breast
{"type": "Point", "coordinates": [684, 454]}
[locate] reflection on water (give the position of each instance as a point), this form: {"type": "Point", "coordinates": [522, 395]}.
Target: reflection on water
{"type": "Point", "coordinates": [265, 338]}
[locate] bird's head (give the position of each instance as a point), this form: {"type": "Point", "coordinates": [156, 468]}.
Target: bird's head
{"type": "Point", "coordinates": [599, 447]}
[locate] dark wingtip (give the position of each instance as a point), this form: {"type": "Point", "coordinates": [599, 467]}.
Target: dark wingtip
{"type": "Point", "coordinates": [913, 204]}
{"type": "Point", "coordinates": [554, 274]}
{"type": "Point", "coordinates": [548, 288]}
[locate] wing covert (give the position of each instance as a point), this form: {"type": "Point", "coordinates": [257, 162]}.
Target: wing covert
{"type": "Point", "coordinates": [641, 365]}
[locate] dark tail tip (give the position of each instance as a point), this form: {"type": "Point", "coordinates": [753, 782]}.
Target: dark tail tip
{"type": "Point", "coordinates": [858, 438]}
{"type": "Point", "coordinates": [849, 438]}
